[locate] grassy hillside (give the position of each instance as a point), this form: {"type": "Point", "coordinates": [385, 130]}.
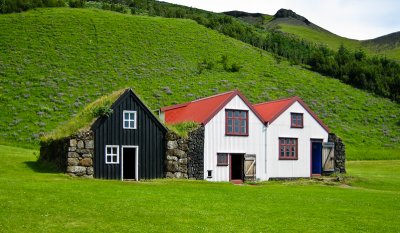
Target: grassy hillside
{"type": "Point", "coordinates": [55, 61]}
{"type": "Point", "coordinates": [388, 45]}
{"type": "Point", "coordinates": [33, 199]}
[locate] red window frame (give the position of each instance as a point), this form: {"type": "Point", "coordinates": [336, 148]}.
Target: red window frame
{"type": "Point", "coordinates": [296, 120]}
{"type": "Point", "coordinates": [236, 119]}
{"type": "Point", "coordinates": [288, 149]}
{"type": "Point", "coordinates": [222, 162]}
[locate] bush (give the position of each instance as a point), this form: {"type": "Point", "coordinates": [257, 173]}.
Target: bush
{"type": "Point", "coordinates": [76, 3]}
{"type": "Point", "coordinates": [101, 111]}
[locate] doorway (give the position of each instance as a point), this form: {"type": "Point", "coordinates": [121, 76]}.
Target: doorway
{"type": "Point", "coordinates": [237, 166]}
{"type": "Point", "coordinates": [316, 157]}
{"type": "Point", "coordinates": [130, 163]}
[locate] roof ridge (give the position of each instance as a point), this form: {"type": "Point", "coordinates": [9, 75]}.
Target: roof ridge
{"type": "Point", "coordinates": [213, 96]}
{"type": "Point", "coordinates": [278, 100]}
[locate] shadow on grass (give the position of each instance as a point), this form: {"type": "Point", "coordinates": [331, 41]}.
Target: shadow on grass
{"type": "Point", "coordinates": [42, 167]}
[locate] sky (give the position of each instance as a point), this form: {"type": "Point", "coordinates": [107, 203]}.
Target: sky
{"type": "Point", "coordinates": [355, 19]}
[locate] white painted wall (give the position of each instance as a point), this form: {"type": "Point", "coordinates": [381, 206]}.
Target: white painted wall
{"type": "Point", "coordinates": [281, 128]}
{"type": "Point", "coordinates": [215, 141]}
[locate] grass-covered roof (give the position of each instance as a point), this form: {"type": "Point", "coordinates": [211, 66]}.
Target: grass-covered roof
{"type": "Point", "coordinates": [85, 118]}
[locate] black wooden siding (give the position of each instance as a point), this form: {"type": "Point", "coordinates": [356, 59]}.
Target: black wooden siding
{"type": "Point", "coordinates": [148, 136]}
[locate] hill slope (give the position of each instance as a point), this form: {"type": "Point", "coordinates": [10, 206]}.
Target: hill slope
{"type": "Point", "coordinates": [54, 61]}
{"type": "Point", "coordinates": [292, 23]}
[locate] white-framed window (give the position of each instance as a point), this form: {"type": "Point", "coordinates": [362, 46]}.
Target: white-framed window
{"type": "Point", "coordinates": [129, 119]}
{"type": "Point", "coordinates": [112, 154]}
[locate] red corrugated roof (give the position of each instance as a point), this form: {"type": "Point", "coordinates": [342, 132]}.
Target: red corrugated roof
{"type": "Point", "coordinates": [271, 110]}
{"type": "Point", "coordinates": [202, 110]}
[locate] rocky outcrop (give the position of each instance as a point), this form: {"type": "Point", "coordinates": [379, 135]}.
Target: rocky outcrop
{"type": "Point", "coordinates": [285, 13]}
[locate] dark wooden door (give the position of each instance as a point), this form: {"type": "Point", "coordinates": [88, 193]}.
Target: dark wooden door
{"type": "Point", "coordinates": [129, 163]}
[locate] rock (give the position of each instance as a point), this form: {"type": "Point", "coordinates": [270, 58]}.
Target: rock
{"type": "Point", "coordinates": [84, 151]}
{"type": "Point", "coordinates": [169, 175]}
{"type": "Point", "coordinates": [73, 155]}
{"type": "Point", "coordinates": [87, 156]}
{"type": "Point", "coordinates": [180, 153]}
{"type": "Point", "coordinates": [81, 144]}
{"type": "Point", "coordinates": [172, 166]}
{"type": "Point", "coordinates": [172, 145]}
{"type": "Point", "coordinates": [71, 148]}
{"type": "Point", "coordinates": [77, 170]}
{"type": "Point", "coordinates": [72, 161]}
{"type": "Point", "coordinates": [72, 143]}
{"type": "Point", "coordinates": [183, 161]}
{"type": "Point", "coordinates": [89, 144]}
{"type": "Point", "coordinates": [172, 158]}
{"type": "Point", "coordinates": [178, 175]}
{"type": "Point", "coordinates": [171, 136]}
{"type": "Point", "coordinates": [87, 162]}
{"type": "Point", "coordinates": [89, 171]}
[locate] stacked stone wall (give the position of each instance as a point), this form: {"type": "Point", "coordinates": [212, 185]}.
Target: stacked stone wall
{"type": "Point", "coordinates": [340, 153]}
{"type": "Point", "coordinates": [80, 155]}
{"type": "Point", "coordinates": [184, 156]}
{"type": "Point", "coordinates": [72, 155]}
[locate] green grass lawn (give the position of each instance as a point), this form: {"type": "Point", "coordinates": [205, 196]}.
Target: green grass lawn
{"type": "Point", "coordinates": [53, 62]}
{"type": "Point", "coordinates": [34, 199]}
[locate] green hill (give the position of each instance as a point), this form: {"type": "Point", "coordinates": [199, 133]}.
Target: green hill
{"type": "Point", "coordinates": [292, 23]}
{"type": "Point", "coordinates": [53, 62]}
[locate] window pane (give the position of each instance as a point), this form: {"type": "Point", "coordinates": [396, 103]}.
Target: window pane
{"type": "Point", "coordinates": [114, 159]}
{"type": "Point", "coordinates": [282, 141]}
{"type": "Point", "coordinates": [126, 115]}
{"type": "Point", "coordinates": [287, 151]}
{"type": "Point", "coordinates": [282, 152]}
{"type": "Point", "coordinates": [243, 114]}
{"type": "Point", "coordinates": [108, 158]}
{"type": "Point", "coordinates": [294, 141]}
{"type": "Point", "coordinates": [230, 129]}
{"type": "Point", "coordinates": [230, 122]}
{"type": "Point", "coordinates": [114, 150]}
{"type": "Point", "coordinates": [230, 114]}
{"type": "Point", "coordinates": [236, 129]}
{"type": "Point", "coordinates": [293, 152]}
{"type": "Point", "coordinates": [287, 141]}
{"type": "Point", "coordinates": [126, 124]}
{"type": "Point", "coordinates": [108, 150]}
{"type": "Point", "coordinates": [132, 124]}
{"type": "Point", "coordinates": [132, 115]}
{"type": "Point", "coordinates": [243, 130]}
{"type": "Point", "coordinates": [244, 123]}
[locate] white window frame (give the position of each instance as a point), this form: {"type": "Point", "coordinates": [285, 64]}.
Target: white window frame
{"type": "Point", "coordinates": [129, 120]}
{"type": "Point", "coordinates": [106, 154]}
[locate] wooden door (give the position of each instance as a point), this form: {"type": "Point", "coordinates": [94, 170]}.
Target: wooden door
{"type": "Point", "coordinates": [250, 167]}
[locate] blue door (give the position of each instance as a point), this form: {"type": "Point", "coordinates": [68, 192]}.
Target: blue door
{"type": "Point", "coordinates": [316, 157]}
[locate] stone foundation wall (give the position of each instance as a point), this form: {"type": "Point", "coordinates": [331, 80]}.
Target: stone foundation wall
{"type": "Point", "coordinates": [184, 156]}
{"type": "Point", "coordinates": [80, 155]}
{"type": "Point", "coordinates": [72, 155]}
{"type": "Point", "coordinates": [196, 154]}
{"type": "Point", "coordinates": [340, 153]}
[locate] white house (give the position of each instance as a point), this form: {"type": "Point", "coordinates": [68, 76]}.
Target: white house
{"type": "Point", "coordinates": [295, 136]}
{"type": "Point", "coordinates": [246, 142]}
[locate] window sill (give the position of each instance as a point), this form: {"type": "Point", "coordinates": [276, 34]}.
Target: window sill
{"type": "Point", "coordinates": [296, 127]}
{"type": "Point", "coordinates": [288, 159]}
{"type": "Point", "coordinates": [222, 165]}
{"type": "Point", "coordinates": [240, 135]}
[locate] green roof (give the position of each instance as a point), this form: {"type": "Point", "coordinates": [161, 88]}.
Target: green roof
{"type": "Point", "coordinates": [85, 118]}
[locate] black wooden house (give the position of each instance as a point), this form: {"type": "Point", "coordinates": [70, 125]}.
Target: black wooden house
{"type": "Point", "coordinates": [130, 143]}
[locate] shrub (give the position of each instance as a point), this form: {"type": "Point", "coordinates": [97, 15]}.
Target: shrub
{"type": "Point", "coordinates": [101, 111]}
{"type": "Point", "coordinates": [76, 3]}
